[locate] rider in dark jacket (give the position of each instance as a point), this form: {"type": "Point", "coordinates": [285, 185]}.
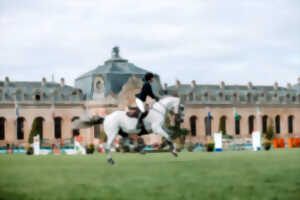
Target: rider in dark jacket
{"type": "Point", "coordinates": [141, 97]}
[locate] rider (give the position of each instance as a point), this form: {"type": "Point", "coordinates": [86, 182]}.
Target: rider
{"type": "Point", "coordinates": [141, 98]}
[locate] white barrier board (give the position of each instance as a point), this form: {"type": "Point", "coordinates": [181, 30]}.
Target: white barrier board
{"type": "Point", "coordinates": [36, 145]}
{"type": "Point", "coordinates": [256, 141]}
{"type": "Point", "coordinates": [218, 141]}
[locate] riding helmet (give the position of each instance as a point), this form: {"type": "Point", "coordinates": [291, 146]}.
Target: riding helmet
{"type": "Point", "coordinates": [148, 76]}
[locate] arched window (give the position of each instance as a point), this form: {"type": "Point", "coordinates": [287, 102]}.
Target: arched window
{"type": "Point", "coordinates": [237, 120]}
{"type": "Point", "coordinates": [222, 124]}
{"type": "Point", "coordinates": [208, 127]}
{"type": "Point", "coordinates": [37, 96]}
{"type": "Point", "coordinates": [2, 128]}
{"type": "Point", "coordinates": [39, 125]}
{"type": "Point", "coordinates": [75, 132]}
{"type": "Point", "coordinates": [251, 123]}
{"type": "Point", "coordinates": [277, 124]}
{"type": "Point", "coordinates": [20, 128]}
{"type": "Point", "coordinates": [57, 127]}
{"type": "Point", "coordinates": [291, 124]}
{"type": "Point", "coordinates": [193, 123]}
{"type": "Point", "coordinates": [264, 123]}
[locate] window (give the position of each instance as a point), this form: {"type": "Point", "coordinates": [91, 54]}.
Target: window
{"type": "Point", "coordinates": [251, 124]}
{"type": "Point", "coordinates": [249, 98]}
{"type": "Point", "coordinates": [234, 97]}
{"type": "Point", "coordinates": [19, 96]}
{"type": "Point", "coordinates": [75, 132]}
{"type": "Point", "coordinates": [37, 97]}
{"type": "Point", "coordinates": [221, 96]}
{"type": "Point", "coordinates": [207, 122]}
{"type": "Point", "coordinates": [237, 125]}
{"type": "Point", "coordinates": [1, 95]}
{"type": "Point", "coordinates": [2, 128]}
{"type": "Point", "coordinates": [57, 127]}
{"type": "Point", "coordinates": [20, 128]}
{"type": "Point", "coordinates": [74, 96]}
{"type": "Point", "coordinates": [193, 123]}
{"type": "Point", "coordinates": [264, 123]}
{"type": "Point", "coordinates": [277, 124]}
{"type": "Point", "coordinates": [191, 96]}
{"type": "Point", "coordinates": [56, 96]}
{"type": "Point", "coordinates": [291, 124]}
{"type": "Point", "coordinates": [206, 96]}
{"type": "Point", "coordinates": [222, 125]}
{"type": "Point", "coordinates": [39, 125]}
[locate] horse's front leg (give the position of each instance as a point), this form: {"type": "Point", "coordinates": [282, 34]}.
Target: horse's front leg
{"type": "Point", "coordinates": [158, 130]}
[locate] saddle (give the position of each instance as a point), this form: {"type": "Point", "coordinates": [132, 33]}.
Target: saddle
{"type": "Point", "coordinates": [134, 111]}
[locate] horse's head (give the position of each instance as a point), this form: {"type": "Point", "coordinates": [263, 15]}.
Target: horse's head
{"type": "Point", "coordinates": [176, 108]}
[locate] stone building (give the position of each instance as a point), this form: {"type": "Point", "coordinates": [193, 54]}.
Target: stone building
{"type": "Point", "coordinates": [113, 85]}
{"type": "Point", "coordinates": [242, 108]}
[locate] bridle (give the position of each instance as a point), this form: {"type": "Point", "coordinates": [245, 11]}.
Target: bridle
{"type": "Point", "coordinates": [167, 110]}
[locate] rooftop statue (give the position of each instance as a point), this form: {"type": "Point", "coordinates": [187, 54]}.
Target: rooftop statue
{"type": "Point", "coordinates": [115, 52]}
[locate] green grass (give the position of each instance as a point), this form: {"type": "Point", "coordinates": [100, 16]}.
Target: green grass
{"type": "Point", "coordinates": [227, 175]}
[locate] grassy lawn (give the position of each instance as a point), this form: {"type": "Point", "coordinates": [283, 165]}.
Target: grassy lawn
{"type": "Point", "coordinates": [227, 175]}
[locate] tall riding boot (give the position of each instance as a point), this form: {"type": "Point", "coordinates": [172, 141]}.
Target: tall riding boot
{"type": "Point", "coordinates": [140, 120]}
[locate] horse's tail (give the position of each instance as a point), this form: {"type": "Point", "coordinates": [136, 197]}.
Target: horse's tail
{"type": "Point", "coordinates": [87, 123]}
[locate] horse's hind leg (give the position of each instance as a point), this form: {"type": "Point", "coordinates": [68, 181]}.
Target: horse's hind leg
{"type": "Point", "coordinates": [110, 140]}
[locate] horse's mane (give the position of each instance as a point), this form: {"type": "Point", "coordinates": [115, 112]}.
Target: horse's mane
{"type": "Point", "coordinates": [166, 96]}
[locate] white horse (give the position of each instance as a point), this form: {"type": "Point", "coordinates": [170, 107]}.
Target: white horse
{"type": "Point", "coordinates": [118, 121]}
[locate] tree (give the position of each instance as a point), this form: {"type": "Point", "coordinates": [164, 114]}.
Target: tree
{"type": "Point", "coordinates": [222, 125]}
{"type": "Point", "coordinates": [270, 130]}
{"type": "Point", "coordinates": [35, 130]}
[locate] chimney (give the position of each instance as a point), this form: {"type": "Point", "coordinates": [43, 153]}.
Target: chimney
{"type": "Point", "coordinates": [177, 83]}
{"type": "Point", "coordinates": [289, 86]}
{"type": "Point", "coordinates": [275, 85]}
{"type": "Point", "coordinates": [6, 82]}
{"type": "Point", "coordinates": [193, 83]}
{"type": "Point", "coordinates": [250, 85]}
{"type": "Point", "coordinates": [222, 85]}
{"type": "Point", "coordinates": [44, 82]}
{"type": "Point", "coordinates": [62, 82]}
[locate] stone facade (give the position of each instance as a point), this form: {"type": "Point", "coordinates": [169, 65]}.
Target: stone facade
{"type": "Point", "coordinates": [107, 88]}
{"type": "Point", "coordinates": [255, 106]}
{"type": "Point", "coordinates": [113, 85]}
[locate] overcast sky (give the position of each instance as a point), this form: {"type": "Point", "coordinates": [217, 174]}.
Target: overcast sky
{"type": "Point", "coordinates": [204, 40]}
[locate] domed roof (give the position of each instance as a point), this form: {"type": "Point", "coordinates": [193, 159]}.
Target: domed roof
{"type": "Point", "coordinates": [115, 72]}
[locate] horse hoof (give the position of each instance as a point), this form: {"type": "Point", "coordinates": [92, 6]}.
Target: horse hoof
{"type": "Point", "coordinates": [111, 161]}
{"type": "Point", "coordinates": [142, 152]}
{"type": "Point", "coordinates": [175, 154]}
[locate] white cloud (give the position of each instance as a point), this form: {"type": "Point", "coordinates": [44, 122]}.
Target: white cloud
{"type": "Point", "coordinates": [209, 41]}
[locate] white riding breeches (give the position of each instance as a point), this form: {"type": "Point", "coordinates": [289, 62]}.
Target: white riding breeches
{"type": "Point", "coordinates": [140, 104]}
